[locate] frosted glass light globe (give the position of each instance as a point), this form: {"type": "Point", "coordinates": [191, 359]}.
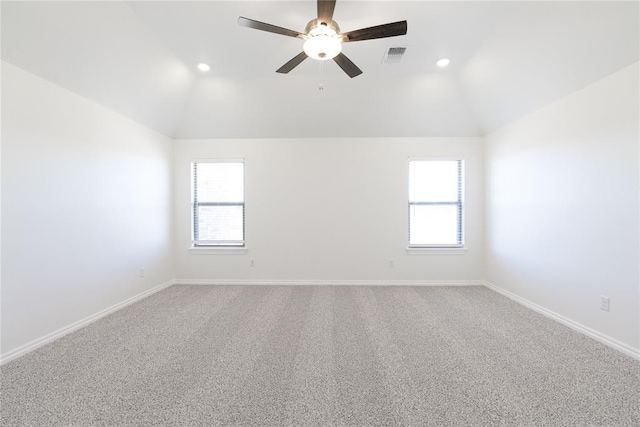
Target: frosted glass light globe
{"type": "Point", "coordinates": [322, 47]}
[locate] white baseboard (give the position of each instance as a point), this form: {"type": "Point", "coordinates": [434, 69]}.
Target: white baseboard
{"type": "Point", "coordinates": [26, 348]}
{"type": "Point", "coordinates": [331, 282]}
{"type": "Point", "coordinates": [605, 339]}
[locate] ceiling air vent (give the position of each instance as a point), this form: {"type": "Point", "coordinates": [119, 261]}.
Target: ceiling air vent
{"type": "Point", "coordinates": [394, 55]}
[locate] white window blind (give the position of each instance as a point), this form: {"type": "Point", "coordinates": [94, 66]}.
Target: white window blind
{"type": "Point", "coordinates": [218, 203]}
{"type": "Point", "coordinates": [436, 203]}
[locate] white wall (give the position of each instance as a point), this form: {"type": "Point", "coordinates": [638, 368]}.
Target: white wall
{"type": "Point", "coordinates": [328, 209]}
{"type": "Point", "coordinates": [562, 207]}
{"type": "Point", "coordinates": [86, 203]}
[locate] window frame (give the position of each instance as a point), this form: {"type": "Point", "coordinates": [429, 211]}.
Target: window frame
{"type": "Point", "coordinates": [457, 248]}
{"type": "Point", "coordinates": [216, 246]}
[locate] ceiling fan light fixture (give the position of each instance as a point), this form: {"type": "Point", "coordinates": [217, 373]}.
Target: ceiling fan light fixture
{"type": "Point", "coordinates": [323, 39]}
{"type": "Point", "coordinates": [323, 47]}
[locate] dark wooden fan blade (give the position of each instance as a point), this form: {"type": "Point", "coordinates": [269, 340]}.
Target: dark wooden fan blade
{"type": "Point", "coordinates": [347, 66]}
{"type": "Point", "coordinates": [292, 64]}
{"type": "Point", "coordinates": [325, 10]}
{"type": "Point", "coordinates": [257, 25]}
{"type": "Point", "coordinates": [378, 32]}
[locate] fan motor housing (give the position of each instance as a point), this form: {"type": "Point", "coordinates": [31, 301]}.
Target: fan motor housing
{"type": "Point", "coordinates": [315, 23]}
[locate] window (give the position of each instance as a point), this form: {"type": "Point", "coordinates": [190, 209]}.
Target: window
{"type": "Point", "coordinates": [218, 203]}
{"type": "Point", "coordinates": [436, 203]}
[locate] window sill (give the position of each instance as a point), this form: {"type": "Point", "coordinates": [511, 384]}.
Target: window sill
{"type": "Point", "coordinates": [217, 251]}
{"type": "Point", "coordinates": [436, 251]}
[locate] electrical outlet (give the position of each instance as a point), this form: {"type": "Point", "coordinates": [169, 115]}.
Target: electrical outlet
{"type": "Point", "coordinates": [141, 273]}
{"type": "Point", "coordinates": [391, 263]}
{"type": "Point", "coordinates": [604, 303]}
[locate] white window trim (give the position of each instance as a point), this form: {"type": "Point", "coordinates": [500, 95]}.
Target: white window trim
{"type": "Point", "coordinates": [436, 158]}
{"type": "Point", "coordinates": [436, 250]}
{"type": "Point", "coordinates": [443, 249]}
{"type": "Point", "coordinates": [225, 160]}
{"type": "Point", "coordinates": [210, 250]}
{"type": "Point", "coordinates": [219, 250]}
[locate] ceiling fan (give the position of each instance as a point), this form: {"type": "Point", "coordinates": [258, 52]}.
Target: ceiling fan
{"type": "Point", "coordinates": [323, 40]}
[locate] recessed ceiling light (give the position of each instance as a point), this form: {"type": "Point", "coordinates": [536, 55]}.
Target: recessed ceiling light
{"type": "Point", "coordinates": [442, 62]}
{"type": "Point", "coordinates": [203, 67]}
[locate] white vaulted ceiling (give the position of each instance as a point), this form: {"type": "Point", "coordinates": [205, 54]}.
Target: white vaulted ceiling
{"type": "Point", "coordinates": [139, 58]}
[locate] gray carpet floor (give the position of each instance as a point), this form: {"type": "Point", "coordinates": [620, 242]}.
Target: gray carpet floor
{"type": "Point", "coordinates": [314, 355]}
